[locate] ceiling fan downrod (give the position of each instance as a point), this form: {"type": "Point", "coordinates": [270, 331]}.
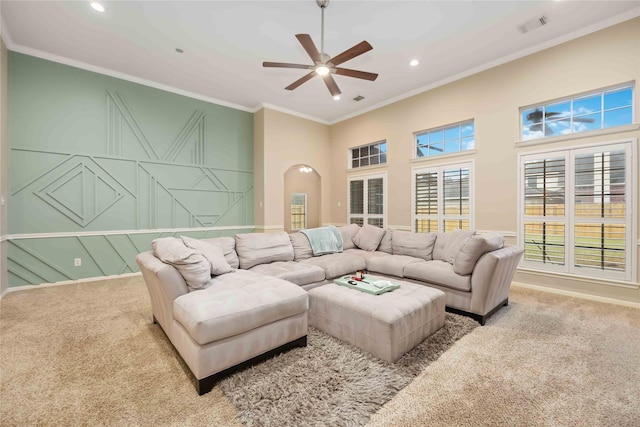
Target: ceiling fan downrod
{"type": "Point", "coordinates": [322, 4]}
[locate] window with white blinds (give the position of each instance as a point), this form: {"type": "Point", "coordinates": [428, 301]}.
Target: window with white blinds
{"type": "Point", "coordinates": [298, 211]}
{"type": "Point", "coordinates": [442, 198]}
{"type": "Point", "coordinates": [576, 208]}
{"type": "Point", "coordinates": [367, 200]}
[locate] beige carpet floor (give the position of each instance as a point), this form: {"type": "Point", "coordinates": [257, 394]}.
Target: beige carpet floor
{"type": "Point", "coordinates": [88, 354]}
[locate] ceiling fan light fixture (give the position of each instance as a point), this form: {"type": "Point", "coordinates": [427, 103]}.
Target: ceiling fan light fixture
{"type": "Point", "coordinates": [322, 70]}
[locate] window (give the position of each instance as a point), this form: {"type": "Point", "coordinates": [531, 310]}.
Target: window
{"type": "Point", "coordinates": [576, 208]}
{"type": "Point", "coordinates": [367, 200]}
{"type": "Point", "coordinates": [442, 198]}
{"type": "Point", "coordinates": [597, 110]}
{"type": "Point", "coordinates": [298, 211]}
{"type": "Point", "coordinates": [445, 140]}
{"type": "Point", "coordinates": [369, 155]}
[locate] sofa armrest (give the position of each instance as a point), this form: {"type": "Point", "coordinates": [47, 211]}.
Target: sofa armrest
{"type": "Point", "coordinates": [491, 278]}
{"type": "Point", "coordinates": [165, 284]}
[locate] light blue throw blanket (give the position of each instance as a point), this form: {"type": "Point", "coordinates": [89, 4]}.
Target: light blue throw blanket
{"type": "Point", "coordinates": [324, 240]}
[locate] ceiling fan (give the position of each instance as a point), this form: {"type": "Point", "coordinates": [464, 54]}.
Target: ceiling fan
{"type": "Point", "coordinates": [537, 115]}
{"type": "Point", "coordinates": [324, 65]}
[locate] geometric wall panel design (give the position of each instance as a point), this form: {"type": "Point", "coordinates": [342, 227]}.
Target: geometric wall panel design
{"type": "Point", "coordinates": [95, 155]}
{"type": "Point", "coordinates": [47, 260]}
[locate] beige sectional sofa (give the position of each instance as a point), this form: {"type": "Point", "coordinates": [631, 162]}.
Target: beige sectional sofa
{"type": "Point", "coordinates": [251, 289]}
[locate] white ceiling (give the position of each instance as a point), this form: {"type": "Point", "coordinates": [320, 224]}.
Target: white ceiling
{"type": "Point", "coordinates": [225, 43]}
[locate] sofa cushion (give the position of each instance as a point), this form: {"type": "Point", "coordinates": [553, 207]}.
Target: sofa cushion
{"type": "Point", "coordinates": [368, 237]}
{"type": "Point", "coordinates": [392, 265]}
{"type": "Point", "coordinates": [261, 248]}
{"type": "Point", "coordinates": [228, 246]}
{"type": "Point", "coordinates": [474, 248]}
{"type": "Point", "coordinates": [192, 265]}
{"type": "Point", "coordinates": [335, 265]}
{"type": "Point", "coordinates": [439, 273]}
{"type": "Point", "coordinates": [348, 232]}
{"type": "Point", "coordinates": [294, 272]}
{"type": "Point", "coordinates": [454, 242]}
{"type": "Point", "coordinates": [237, 303]}
{"type": "Point", "coordinates": [301, 246]}
{"type": "Point", "coordinates": [419, 245]}
{"type": "Point", "coordinates": [212, 253]}
{"type": "Point", "coordinates": [367, 255]}
{"type": "Point", "coordinates": [385, 243]}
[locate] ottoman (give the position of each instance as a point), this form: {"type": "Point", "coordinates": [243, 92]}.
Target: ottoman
{"type": "Point", "coordinates": [386, 325]}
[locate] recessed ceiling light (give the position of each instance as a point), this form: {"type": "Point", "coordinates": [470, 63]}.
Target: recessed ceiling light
{"type": "Point", "coordinates": [97, 6]}
{"type": "Point", "coordinates": [337, 97]}
{"type": "Point", "coordinates": [414, 62]}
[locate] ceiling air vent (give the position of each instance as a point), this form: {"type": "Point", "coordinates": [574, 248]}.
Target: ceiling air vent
{"type": "Point", "coordinates": [358, 98]}
{"type": "Point", "coordinates": [533, 24]}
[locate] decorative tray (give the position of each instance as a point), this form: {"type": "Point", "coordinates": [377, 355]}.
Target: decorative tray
{"type": "Point", "coordinates": [369, 284]}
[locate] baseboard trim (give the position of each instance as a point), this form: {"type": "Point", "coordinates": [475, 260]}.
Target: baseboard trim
{"type": "Point", "coordinates": [577, 295]}
{"type": "Point", "coordinates": [67, 282]}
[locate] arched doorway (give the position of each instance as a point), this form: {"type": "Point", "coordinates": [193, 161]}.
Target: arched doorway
{"type": "Point", "coordinates": [301, 198]}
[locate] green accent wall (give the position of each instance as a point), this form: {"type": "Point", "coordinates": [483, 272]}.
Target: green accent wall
{"type": "Point", "coordinates": [93, 153]}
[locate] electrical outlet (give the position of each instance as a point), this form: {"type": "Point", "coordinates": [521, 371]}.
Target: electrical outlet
{"type": "Point", "coordinates": [77, 262]}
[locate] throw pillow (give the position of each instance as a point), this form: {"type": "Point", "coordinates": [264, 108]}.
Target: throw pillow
{"type": "Point", "coordinates": [192, 265]}
{"type": "Point", "coordinates": [348, 232]}
{"type": "Point", "coordinates": [369, 237]}
{"type": "Point", "coordinates": [453, 244]}
{"type": "Point", "coordinates": [473, 249]}
{"type": "Point", "coordinates": [228, 246]}
{"type": "Point", "coordinates": [301, 246]}
{"type": "Point", "coordinates": [213, 253]}
{"type": "Point", "coordinates": [419, 245]}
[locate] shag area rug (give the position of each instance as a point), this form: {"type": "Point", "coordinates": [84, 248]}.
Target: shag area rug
{"type": "Point", "coordinates": [329, 382]}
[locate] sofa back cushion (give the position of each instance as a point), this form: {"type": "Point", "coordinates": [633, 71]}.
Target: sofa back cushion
{"type": "Point", "coordinates": [348, 233]}
{"type": "Point", "coordinates": [301, 246]}
{"type": "Point", "coordinates": [385, 243]}
{"type": "Point", "coordinates": [368, 237]}
{"type": "Point", "coordinates": [192, 265]}
{"type": "Point", "coordinates": [473, 249]}
{"type": "Point", "coordinates": [419, 245]}
{"type": "Point", "coordinates": [228, 246]}
{"type": "Point", "coordinates": [262, 248]}
{"type": "Point", "coordinates": [449, 244]}
{"type": "Point", "coordinates": [211, 252]}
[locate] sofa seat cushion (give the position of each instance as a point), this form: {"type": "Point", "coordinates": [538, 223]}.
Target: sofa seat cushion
{"type": "Point", "coordinates": [235, 303]}
{"type": "Point", "coordinates": [294, 272]}
{"type": "Point", "coordinates": [367, 255]}
{"type": "Point", "coordinates": [392, 265]}
{"type": "Point", "coordinates": [261, 248]}
{"type": "Point", "coordinates": [439, 273]}
{"type": "Point", "coordinates": [336, 265]}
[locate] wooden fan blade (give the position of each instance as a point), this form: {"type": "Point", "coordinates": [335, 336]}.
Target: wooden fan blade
{"type": "Point", "coordinates": [298, 82]}
{"type": "Point", "coordinates": [351, 53]}
{"type": "Point", "coordinates": [309, 46]}
{"type": "Point", "coordinates": [357, 74]}
{"type": "Point", "coordinates": [286, 65]}
{"type": "Point", "coordinates": [331, 85]}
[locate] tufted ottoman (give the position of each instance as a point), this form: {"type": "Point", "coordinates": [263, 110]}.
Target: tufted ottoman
{"type": "Point", "coordinates": [386, 325]}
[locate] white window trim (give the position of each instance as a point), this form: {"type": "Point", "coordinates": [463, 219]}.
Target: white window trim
{"type": "Point", "coordinates": [470, 164]}
{"type": "Point", "coordinates": [365, 215]}
{"type": "Point", "coordinates": [630, 275]}
{"type": "Point", "coordinates": [361, 168]}
{"type": "Point", "coordinates": [441, 156]}
{"type": "Point", "coordinates": [574, 135]}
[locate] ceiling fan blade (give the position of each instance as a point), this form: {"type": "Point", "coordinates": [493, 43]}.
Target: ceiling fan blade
{"type": "Point", "coordinates": [298, 82]}
{"type": "Point", "coordinates": [357, 74]}
{"type": "Point", "coordinates": [583, 119]}
{"type": "Point", "coordinates": [351, 53]}
{"type": "Point", "coordinates": [331, 85]}
{"type": "Point", "coordinates": [309, 46]}
{"type": "Point", "coordinates": [286, 65]}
